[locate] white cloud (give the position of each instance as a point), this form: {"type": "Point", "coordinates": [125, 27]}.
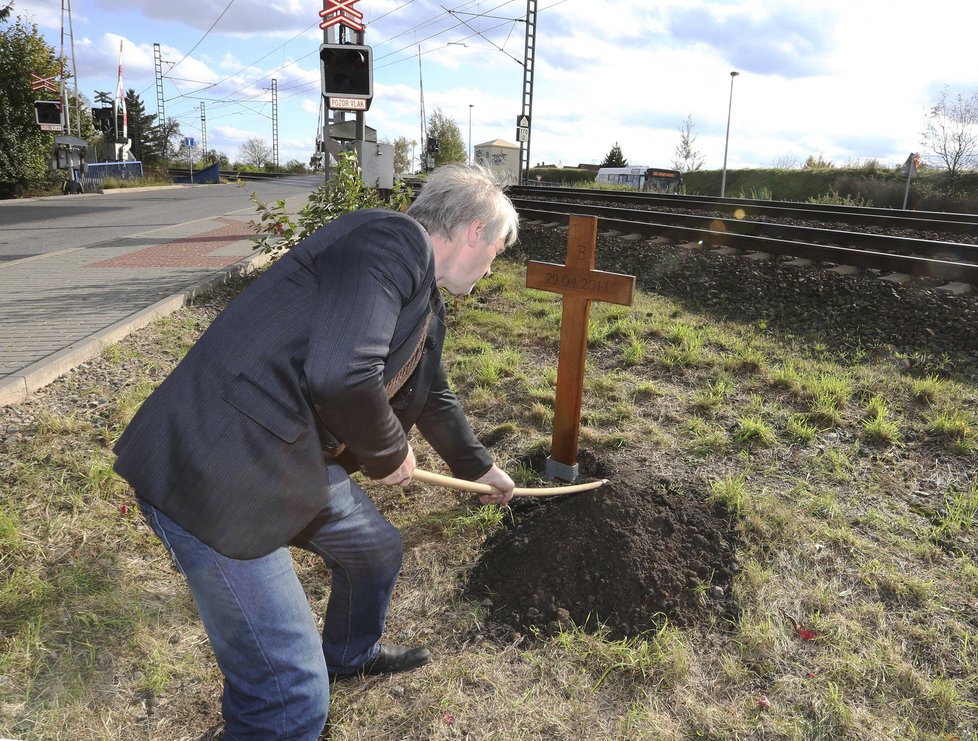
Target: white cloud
{"type": "Point", "coordinates": [817, 77]}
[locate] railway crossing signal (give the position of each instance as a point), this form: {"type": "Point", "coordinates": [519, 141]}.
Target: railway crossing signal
{"type": "Point", "coordinates": [48, 115]}
{"type": "Point", "coordinates": [341, 11]}
{"type": "Point", "coordinates": [348, 76]}
{"type": "Point", "coordinates": [103, 120]}
{"type": "Point", "coordinates": [43, 83]}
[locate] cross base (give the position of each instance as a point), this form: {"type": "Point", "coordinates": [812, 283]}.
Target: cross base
{"type": "Point", "coordinates": [561, 471]}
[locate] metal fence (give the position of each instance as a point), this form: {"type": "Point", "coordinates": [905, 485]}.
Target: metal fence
{"type": "Point", "coordinates": [97, 172]}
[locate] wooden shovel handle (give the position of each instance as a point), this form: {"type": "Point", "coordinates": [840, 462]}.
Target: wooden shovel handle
{"type": "Point", "coordinates": [548, 491]}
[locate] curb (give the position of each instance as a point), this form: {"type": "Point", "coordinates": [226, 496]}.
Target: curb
{"type": "Point", "coordinates": [20, 385]}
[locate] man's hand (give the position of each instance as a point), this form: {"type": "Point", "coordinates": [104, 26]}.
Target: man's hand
{"type": "Point", "coordinates": [498, 479]}
{"type": "Point", "coordinates": [402, 475]}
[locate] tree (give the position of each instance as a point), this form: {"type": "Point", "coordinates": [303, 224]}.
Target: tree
{"type": "Point", "coordinates": [147, 145]}
{"type": "Point", "coordinates": [614, 158]}
{"type": "Point", "coordinates": [817, 163]}
{"type": "Point", "coordinates": [687, 158]}
{"type": "Point", "coordinates": [166, 138]}
{"type": "Point", "coordinates": [212, 156]}
{"type": "Point", "coordinates": [256, 152]}
{"type": "Point", "coordinates": [86, 125]}
{"type": "Point", "coordinates": [786, 161]}
{"type": "Point", "coordinates": [950, 133]}
{"type": "Point", "coordinates": [402, 154]}
{"type": "Point", "coordinates": [24, 148]}
{"type": "Point", "coordinates": [451, 146]}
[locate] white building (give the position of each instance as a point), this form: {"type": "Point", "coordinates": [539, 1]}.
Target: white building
{"type": "Point", "coordinates": [500, 156]}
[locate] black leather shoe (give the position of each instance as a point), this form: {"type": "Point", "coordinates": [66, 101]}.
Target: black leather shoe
{"type": "Point", "coordinates": [390, 659]}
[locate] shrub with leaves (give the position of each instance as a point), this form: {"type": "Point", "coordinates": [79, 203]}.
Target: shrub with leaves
{"type": "Point", "coordinates": [345, 192]}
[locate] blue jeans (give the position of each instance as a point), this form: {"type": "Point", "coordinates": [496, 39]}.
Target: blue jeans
{"type": "Point", "coordinates": [261, 629]}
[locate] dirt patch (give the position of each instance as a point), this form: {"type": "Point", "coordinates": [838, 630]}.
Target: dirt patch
{"type": "Point", "coordinates": [633, 553]}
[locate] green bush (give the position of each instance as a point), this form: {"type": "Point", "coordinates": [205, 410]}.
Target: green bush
{"type": "Point", "coordinates": [345, 192]}
{"type": "Point", "coordinates": [870, 185]}
{"type": "Point", "coordinates": [561, 175]}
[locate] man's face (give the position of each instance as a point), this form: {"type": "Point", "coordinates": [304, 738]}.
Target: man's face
{"type": "Point", "coordinates": [472, 261]}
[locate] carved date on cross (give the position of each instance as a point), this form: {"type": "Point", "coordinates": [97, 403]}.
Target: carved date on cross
{"type": "Point", "coordinates": [580, 284]}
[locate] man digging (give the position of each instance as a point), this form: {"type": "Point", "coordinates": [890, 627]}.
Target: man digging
{"type": "Point", "coordinates": [325, 361]}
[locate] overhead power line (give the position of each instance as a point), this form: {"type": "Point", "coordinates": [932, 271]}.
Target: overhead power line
{"type": "Point", "coordinates": [297, 87]}
{"type": "Point", "coordinates": [206, 33]}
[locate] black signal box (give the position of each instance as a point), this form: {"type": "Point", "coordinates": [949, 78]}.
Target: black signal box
{"type": "Point", "coordinates": [347, 71]}
{"type": "Point", "coordinates": [48, 114]}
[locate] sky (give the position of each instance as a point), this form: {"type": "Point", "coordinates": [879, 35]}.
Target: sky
{"type": "Point", "coordinates": [845, 81]}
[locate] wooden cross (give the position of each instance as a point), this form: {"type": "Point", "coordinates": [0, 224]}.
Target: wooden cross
{"type": "Point", "coordinates": [580, 284]}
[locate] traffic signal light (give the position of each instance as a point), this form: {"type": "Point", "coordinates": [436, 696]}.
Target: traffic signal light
{"type": "Point", "coordinates": [433, 146]}
{"type": "Point", "coordinates": [348, 70]}
{"type": "Point", "coordinates": [102, 118]}
{"type": "Point", "coordinates": [48, 114]}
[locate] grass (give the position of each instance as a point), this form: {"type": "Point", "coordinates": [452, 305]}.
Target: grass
{"type": "Point", "coordinates": [877, 426]}
{"type": "Point", "coordinates": [482, 519]}
{"type": "Point", "coordinates": [729, 492]}
{"type": "Point", "coordinates": [852, 486]}
{"type": "Point", "coordinates": [112, 183]}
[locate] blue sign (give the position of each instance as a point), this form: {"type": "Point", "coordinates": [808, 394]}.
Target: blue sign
{"type": "Point", "coordinates": [189, 141]}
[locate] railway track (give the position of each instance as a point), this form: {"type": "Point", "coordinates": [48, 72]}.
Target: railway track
{"type": "Point", "coordinates": [888, 248]}
{"type": "Point", "coordinates": [882, 218]}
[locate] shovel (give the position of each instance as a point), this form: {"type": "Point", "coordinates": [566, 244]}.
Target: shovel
{"type": "Point", "coordinates": [548, 491]}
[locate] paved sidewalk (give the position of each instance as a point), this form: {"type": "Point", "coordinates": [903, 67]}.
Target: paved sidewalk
{"type": "Point", "coordinates": [60, 309]}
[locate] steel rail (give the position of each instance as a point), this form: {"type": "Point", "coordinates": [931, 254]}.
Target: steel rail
{"type": "Point", "coordinates": [867, 259]}
{"type": "Point", "coordinates": [936, 221]}
{"type": "Point", "coordinates": [792, 232]}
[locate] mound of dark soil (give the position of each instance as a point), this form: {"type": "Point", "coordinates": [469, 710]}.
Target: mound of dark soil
{"type": "Point", "coordinates": [628, 555]}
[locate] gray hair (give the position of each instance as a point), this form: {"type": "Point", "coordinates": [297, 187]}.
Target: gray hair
{"type": "Point", "coordinates": [456, 195]}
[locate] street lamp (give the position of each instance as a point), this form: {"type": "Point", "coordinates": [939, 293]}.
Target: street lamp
{"type": "Point", "coordinates": [470, 132]}
{"type": "Point", "coordinates": [723, 179]}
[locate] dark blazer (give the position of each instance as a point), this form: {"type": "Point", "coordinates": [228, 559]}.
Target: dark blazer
{"type": "Point", "coordinates": [231, 444]}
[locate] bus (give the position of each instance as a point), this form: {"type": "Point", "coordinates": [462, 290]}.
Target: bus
{"type": "Point", "coordinates": [640, 177]}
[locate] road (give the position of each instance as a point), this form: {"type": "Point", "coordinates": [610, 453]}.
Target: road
{"type": "Point", "coordinates": [37, 226]}
{"type": "Point", "coordinates": [78, 273]}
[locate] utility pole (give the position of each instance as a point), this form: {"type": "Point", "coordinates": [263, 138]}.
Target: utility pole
{"type": "Point", "coordinates": [726, 141]}
{"type": "Point", "coordinates": [275, 122]}
{"type": "Point", "coordinates": [529, 54]}
{"type": "Point", "coordinates": [66, 13]}
{"type": "Point", "coordinates": [160, 104]}
{"type": "Point", "coordinates": [69, 151]}
{"type": "Point", "coordinates": [424, 122]}
{"type": "Point", "coordinates": [203, 133]}
{"type": "Point", "coordinates": [336, 117]}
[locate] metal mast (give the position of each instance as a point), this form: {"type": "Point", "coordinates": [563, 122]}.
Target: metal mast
{"type": "Point", "coordinates": [203, 132]}
{"type": "Point", "coordinates": [424, 122]}
{"type": "Point", "coordinates": [330, 36]}
{"type": "Point", "coordinates": [66, 12]}
{"type": "Point", "coordinates": [275, 121]}
{"type": "Point", "coordinates": [160, 108]}
{"type": "Point", "coordinates": [529, 54]}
